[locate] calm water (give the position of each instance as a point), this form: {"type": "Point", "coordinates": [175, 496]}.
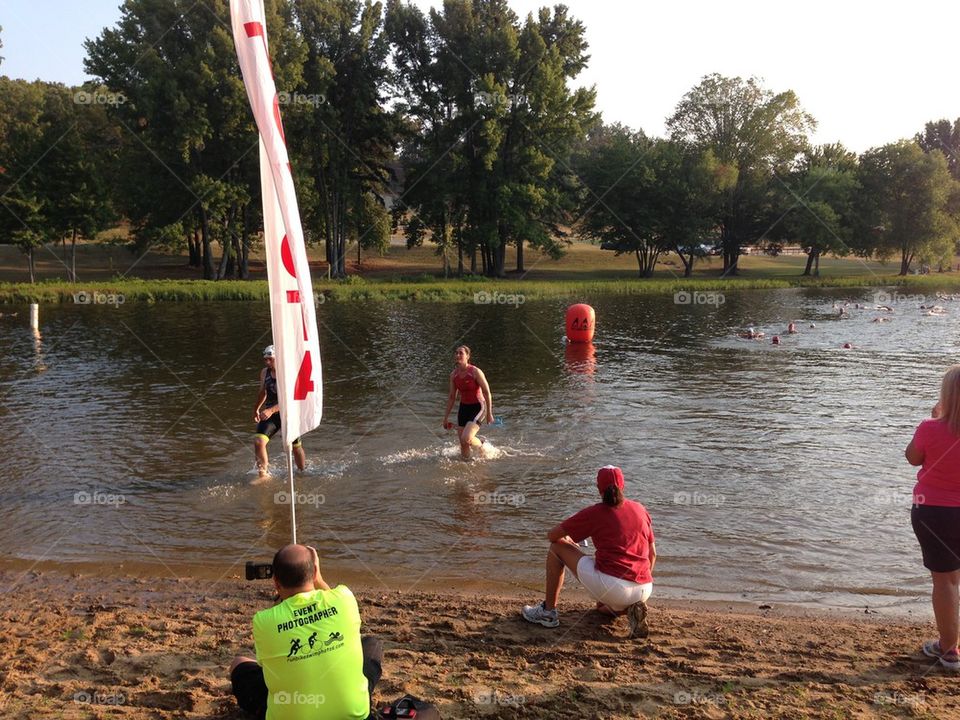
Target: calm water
{"type": "Point", "coordinates": [771, 473]}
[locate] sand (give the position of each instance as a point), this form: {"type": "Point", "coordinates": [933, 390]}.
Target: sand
{"type": "Point", "coordinates": [88, 647]}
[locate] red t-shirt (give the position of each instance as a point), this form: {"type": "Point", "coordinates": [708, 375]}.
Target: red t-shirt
{"type": "Point", "coordinates": [622, 536]}
{"type": "Point", "coordinates": [938, 481]}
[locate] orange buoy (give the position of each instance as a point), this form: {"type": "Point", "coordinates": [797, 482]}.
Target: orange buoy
{"type": "Point", "coordinates": [580, 323]}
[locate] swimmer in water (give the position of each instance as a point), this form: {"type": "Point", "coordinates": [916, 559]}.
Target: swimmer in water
{"type": "Point", "coordinates": [776, 340]}
{"type": "Point", "coordinates": [880, 319]}
{"type": "Point", "coordinates": [751, 334]}
{"type": "Point", "coordinates": [792, 329]}
{"type": "Point", "coordinates": [476, 402]}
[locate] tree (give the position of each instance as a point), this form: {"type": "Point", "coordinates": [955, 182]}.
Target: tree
{"type": "Point", "coordinates": [905, 198]}
{"type": "Point", "coordinates": [752, 129]}
{"type": "Point", "coordinates": [497, 122]}
{"type": "Point", "coordinates": [619, 209]}
{"type": "Point", "coordinates": [345, 134]}
{"type": "Point", "coordinates": [944, 136]}
{"type": "Point", "coordinates": [650, 196]}
{"type": "Point", "coordinates": [23, 129]}
{"type": "Point", "coordinates": [189, 164]}
{"type": "Point", "coordinates": [52, 167]}
{"type": "Point", "coordinates": [82, 153]}
{"type": "Point", "coordinates": [821, 194]}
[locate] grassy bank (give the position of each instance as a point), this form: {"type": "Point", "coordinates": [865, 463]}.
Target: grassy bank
{"type": "Point", "coordinates": [429, 289]}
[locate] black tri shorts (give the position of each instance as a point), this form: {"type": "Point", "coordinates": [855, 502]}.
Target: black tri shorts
{"type": "Point", "coordinates": [938, 530]}
{"type": "Point", "coordinates": [470, 412]}
{"type": "Point", "coordinates": [269, 427]}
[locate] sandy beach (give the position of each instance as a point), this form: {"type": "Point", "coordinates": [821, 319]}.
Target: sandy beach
{"type": "Point", "coordinates": [89, 647]}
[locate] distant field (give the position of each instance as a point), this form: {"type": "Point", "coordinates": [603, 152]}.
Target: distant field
{"type": "Point", "coordinates": [102, 261]}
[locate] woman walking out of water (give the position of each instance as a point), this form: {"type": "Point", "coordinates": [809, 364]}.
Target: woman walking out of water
{"type": "Point", "coordinates": [936, 514]}
{"type": "Point", "coordinates": [476, 402]}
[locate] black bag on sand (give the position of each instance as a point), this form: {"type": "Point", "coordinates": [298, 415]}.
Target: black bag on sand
{"type": "Point", "coordinates": [409, 707]}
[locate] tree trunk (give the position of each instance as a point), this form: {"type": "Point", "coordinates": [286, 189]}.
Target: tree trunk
{"type": "Point", "coordinates": [73, 256]}
{"type": "Point", "coordinates": [905, 259]}
{"type": "Point", "coordinates": [30, 264]}
{"type": "Point", "coordinates": [205, 240]}
{"type": "Point", "coordinates": [243, 266]}
{"type": "Point", "coordinates": [520, 256]}
{"type": "Point", "coordinates": [810, 258]}
{"type": "Point", "coordinates": [816, 271]}
{"type": "Point", "coordinates": [193, 245]}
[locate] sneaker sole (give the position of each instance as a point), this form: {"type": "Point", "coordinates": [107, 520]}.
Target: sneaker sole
{"type": "Point", "coordinates": [637, 615]}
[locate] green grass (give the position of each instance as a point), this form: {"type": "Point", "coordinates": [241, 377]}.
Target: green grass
{"type": "Point", "coordinates": [429, 289]}
{"type": "Point", "coordinates": [112, 274]}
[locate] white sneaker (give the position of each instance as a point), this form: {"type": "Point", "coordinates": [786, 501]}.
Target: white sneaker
{"type": "Point", "coordinates": [540, 615]}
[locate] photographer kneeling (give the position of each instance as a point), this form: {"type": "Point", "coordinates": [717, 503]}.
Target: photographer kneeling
{"type": "Point", "coordinates": [311, 661]}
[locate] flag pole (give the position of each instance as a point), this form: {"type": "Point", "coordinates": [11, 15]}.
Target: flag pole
{"type": "Point", "coordinates": [293, 494]}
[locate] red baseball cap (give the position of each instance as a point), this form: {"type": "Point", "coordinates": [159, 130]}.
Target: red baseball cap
{"type": "Point", "coordinates": [609, 475]}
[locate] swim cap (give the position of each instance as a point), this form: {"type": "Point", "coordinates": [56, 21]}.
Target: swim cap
{"type": "Point", "coordinates": [269, 352]}
{"type": "Point", "coordinates": [609, 475]}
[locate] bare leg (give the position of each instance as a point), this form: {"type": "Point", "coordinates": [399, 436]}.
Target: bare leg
{"type": "Point", "coordinates": [946, 607]}
{"type": "Point", "coordinates": [260, 453]}
{"type": "Point", "coordinates": [468, 439]}
{"type": "Point", "coordinates": [563, 554]}
{"type": "Point", "coordinates": [299, 457]}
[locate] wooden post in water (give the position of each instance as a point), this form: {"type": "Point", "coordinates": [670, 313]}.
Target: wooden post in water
{"type": "Point", "coordinates": [34, 317]}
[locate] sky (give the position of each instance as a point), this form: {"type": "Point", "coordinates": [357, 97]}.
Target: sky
{"type": "Point", "coordinates": [870, 73]}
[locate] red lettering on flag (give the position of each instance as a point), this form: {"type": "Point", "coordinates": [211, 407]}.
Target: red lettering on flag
{"type": "Point", "coordinates": [255, 29]}
{"type": "Point", "coordinates": [304, 384]}
{"type": "Point", "coordinates": [293, 296]}
{"type": "Point", "coordinates": [286, 256]}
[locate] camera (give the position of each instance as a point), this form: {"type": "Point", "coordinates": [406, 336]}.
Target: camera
{"type": "Point", "coordinates": [259, 571]}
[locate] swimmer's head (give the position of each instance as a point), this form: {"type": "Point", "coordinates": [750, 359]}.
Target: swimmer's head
{"type": "Point", "coordinates": [776, 340]}
{"type": "Point", "coordinates": [462, 350]}
{"type": "Point", "coordinates": [269, 352]}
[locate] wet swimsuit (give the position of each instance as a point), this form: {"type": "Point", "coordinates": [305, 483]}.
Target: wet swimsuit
{"type": "Point", "coordinates": [472, 407]}
{"type": "Point", "coordinates": [269, 427]}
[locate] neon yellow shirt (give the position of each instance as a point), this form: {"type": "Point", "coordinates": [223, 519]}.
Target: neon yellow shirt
{"type": "Point", "coordinates": [309, 648]}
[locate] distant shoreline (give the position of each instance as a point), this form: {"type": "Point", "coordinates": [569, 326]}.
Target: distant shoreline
{"type": "Point", "coordinates": [505, 293]}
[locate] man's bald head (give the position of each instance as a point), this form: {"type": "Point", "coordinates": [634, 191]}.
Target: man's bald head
{"type": "Point", "coordinates": [293, 566]}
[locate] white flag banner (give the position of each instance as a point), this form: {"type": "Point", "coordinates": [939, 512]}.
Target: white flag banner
{"type": "Point", "coordinates": [292, 310]}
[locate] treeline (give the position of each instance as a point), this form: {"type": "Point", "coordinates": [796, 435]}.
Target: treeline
{"type": "Point", "coordinates": [457, 127]}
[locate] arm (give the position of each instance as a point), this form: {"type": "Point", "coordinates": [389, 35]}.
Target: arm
{"type": "Point", "coordinates": [557, 534]}
{"type": "Point", "coordinates": [261, 397]}
{"type": "Point", "coordinates": [485, 389]}
{"type": "Point", "coordinates": [451, 398]}
{"type": "Point", "coordinates": [318, 581]}
{"type": "Point", "coordinates": [913, 455]}
{"type": "Point", "coordinates": [653, 555]}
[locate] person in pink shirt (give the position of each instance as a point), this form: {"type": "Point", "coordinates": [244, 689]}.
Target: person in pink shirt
{"type": "Point", "coordinates": [936, 514]}
{"type": "Point", "coordinates": [620, 575]}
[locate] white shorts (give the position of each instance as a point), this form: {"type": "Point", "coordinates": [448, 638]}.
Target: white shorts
{"type": "Point", "coordinates": [616, 593]}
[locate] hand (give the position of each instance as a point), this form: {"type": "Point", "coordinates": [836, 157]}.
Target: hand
{"type": "Point", "coordinates": [447, 425]}
{"type": "Point", "coordinates": [318, 583]}
{"type": "Point", "coordinates": [489, 417]}
{"type": "Point", "coordinates": [266, 413]}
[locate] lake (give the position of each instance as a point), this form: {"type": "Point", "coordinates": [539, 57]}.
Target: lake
{"type": "Point", "coordinates": [772, 473]}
